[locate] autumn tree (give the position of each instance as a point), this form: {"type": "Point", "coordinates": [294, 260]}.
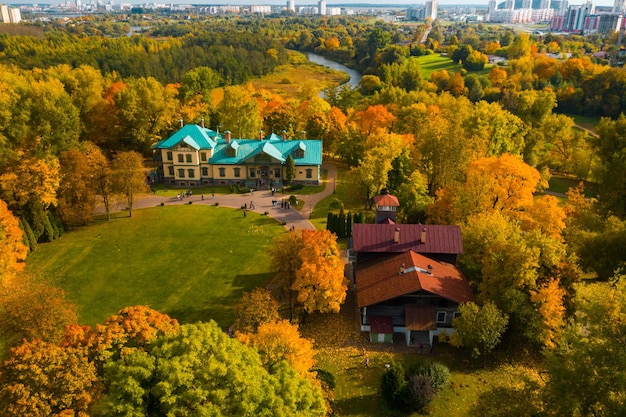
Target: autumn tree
{"type": "Point", "coordinates": [202, 371]}
{"type": "Point", "coordinates": [12, 249]}
{"type": "Point", "coordinates": [373, 172]}
{"type": "Point", "coordinates": [503, 183]}
{"type": "Point", "coordinates": [611, 149]}
{"type": "Point", "coordinates": [278, 341]}
{"type": "Point", "coordinates": [320, 283]}
{"type": "Point", "coordinates": [34, 309]}
{"type": "Point", "coordinates": [285, 258]}
{"type": "Point", "coordinates": [255, 308]}
{"type": "Point", "coordinates": [479, 329]}
{"type": "Point", "coordinates": [549, 302]}
{"type": "Point", "coordinates": [43, 379]}
{"type": "Point", "coordinates": [76, 198]}
{"type": "Point", "coordinates": [131, 328]}
{"type": "Point", "coordinates": [582, 368]}
{"type": "Point", "coordinates": [239, 112]}
{"type": "Point", "coordinates": [128, 176]}
{"type": "Point", "coordinates": [144, 110]}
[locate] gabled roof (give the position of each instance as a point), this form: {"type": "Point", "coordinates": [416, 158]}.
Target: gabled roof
{"type": "Point", "coordinates": [276, 148]}
{"type": "Point", "coordinates": [408, 273]}
{"type": "Point", "coordinates": [195, 136]}
{"type": "Point", "coordinates": [273, 145]}
{"type": "Point", "coordinates": [441, 239]}
{"type": "Point", "coordinates": [386, 200]}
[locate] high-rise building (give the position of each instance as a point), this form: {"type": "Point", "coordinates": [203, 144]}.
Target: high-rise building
{"type": "Point", "coordinates": [509, 5]}
{"type": "Point", "coordinates": [618, 6]}
{"type": "Point", "coordinates": [291, 5]}
{"type": "Point", "coordinates": [545, 4]}
{"type": "Point", "coordinates": [322, 7]}
{"type": "Point", "coordinates": [431, 9]}
{"type": "Point", "coordinates": [10, 14]}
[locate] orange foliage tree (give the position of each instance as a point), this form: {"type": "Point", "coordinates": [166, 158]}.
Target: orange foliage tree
{"type": "Point", "coordinates": [132, 327]}
{"type": "Point", "coordinates": [320, 282]}
{"type": "Point", "coordinates": [548, 300]}
{"type": "Point", "coordinates": [12, 249]}
{"type": "Point", "coordinates": [42, 379]}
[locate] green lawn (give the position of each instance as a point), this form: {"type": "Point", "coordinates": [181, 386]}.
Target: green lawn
{"type": "Point", "coordinates": [191, 262]}
{"type": "Point", "coordinates": [435, 62]}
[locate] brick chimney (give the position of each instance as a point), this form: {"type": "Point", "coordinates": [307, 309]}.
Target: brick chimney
{"type": "Point", "coordinates": [227, 136]}
{"type": "Point", "coordinates": [284, 135]}
{"type": "Point", "coordinates": [396, 235]}
{"type": "Point", "coordinates": [202, 123]}
{"type": "Point", "coordinates": [423, 235]}
{"type": "Point", "coordinates": [180, 123]}
{"type": "Point", "coordinates": [303, 134]}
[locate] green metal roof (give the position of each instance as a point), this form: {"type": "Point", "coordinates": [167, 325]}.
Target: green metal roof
{"type": "Point", "coordinates": [272, 145]}
{"type": "Point", "coordinates": [193, 135]}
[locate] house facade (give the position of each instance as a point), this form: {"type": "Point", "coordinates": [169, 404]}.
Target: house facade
{"type": "Point", "coordinates": [195, 155]}
{"type": "Point", "coordinates": [409, 294]}
{"type": "Point", "coordinates": [406, 278]}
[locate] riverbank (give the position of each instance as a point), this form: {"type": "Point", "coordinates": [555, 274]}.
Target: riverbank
{"type": "Point", "coordinates": [301, 78]}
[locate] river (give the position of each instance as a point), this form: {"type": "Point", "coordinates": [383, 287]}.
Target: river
{"type": "Point", "coordinates": [355, 76]}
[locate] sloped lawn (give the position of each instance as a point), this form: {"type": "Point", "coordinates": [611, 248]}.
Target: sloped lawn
{"type": "Point", "coordinates": [190, 262]}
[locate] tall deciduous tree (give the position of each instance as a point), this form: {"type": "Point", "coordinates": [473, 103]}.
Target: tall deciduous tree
{"type": "Point", "coordinates": [129, 176]}
{"type": "Point", "coordinates": [43, 379]}
{"type": "Point", "coordinates": [239, 111]}
{"type": "Point", "coordinates": [320, 282]}
{"type": "Point", "coordinates": [285, 258]}
{"type": "Point", "coordinates": [34, 309]}
{"type": "Point", "coordinates": [12, 249]}
{"type": "Point", "coordinates": [583, 377]}
{"type": "Point", "coordinates": [201, 371]}
{"type": "Point", "coordinates": [279, 341]}
{"type": "Point", "coordinates": [255, 308]}
{"type": "Point", "coordinates": [611, 147]}
{"type": "Point", "coordinates": [479, 328]}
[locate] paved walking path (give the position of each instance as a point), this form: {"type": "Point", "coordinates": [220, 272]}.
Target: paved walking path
{"type": "Point", "coordinates": [262, 202]}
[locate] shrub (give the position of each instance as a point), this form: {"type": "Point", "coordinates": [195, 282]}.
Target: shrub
{"type": "Point", "coordinates": [217, 203]}
{"type": "Point", "coordinates": [293, 200]}
{"type": "Point", "coordinates": [392, 384]}
{"type": "Point", "coordinates": [285, 81]}
{"type": "Point", "coordinates": [420, 393]}
{"type": "Point", "coordinates": [335, 204]}
{"type": "Point", "coordinates": [266, 212]}
{"type": "Point", "coordinates": [437, 373]}
{"type": "Point", "coordinates": [190, 202]}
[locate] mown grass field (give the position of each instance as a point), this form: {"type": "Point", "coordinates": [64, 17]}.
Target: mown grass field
{"type": "Point", "coordinates": [190, 262]}
{"type": "Point", "coordinates": [435, 62]}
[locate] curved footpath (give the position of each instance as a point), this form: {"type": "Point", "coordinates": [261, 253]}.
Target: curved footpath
{"type": "Point", "coordinates": [262, 202]}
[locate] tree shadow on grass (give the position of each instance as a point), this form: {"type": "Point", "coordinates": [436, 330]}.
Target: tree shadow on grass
{"type": "Point", "coordinates": [358, 406]}
{"type": "Point", "coordinates": [219, 308]}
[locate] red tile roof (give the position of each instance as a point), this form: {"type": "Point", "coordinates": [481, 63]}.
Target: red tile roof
{"type": "Point", "coordinates": [380, 238]}
{"type": "Point", "coordinates": [386, 200]}
{"type": "Point", "coordinates": [384, 280]}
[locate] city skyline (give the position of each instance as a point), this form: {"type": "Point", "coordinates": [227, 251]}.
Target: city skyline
{"type": "Point", "coordinates": [331, 3]}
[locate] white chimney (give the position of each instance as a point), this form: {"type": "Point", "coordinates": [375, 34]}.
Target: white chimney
{"type": "Point", "coordinates": [180, 122]}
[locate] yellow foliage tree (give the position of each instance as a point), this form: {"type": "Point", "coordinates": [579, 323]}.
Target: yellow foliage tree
{"type": "Point", "coordinates": [548, 300]}
{"type": "Point", "coordinates": [280, 340]}
{"type": "Point", "coordinates": [12, 249]}
{"type": "Point", "coordinates": [503, 183]}
{"type": "Point", "coordinates": [320, 282]}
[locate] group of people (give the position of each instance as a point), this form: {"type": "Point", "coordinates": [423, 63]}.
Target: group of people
{"type": "Point", "coordinates": [181, 196]}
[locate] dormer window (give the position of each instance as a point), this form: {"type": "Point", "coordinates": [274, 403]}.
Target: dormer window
{"type": "Point", "coordinates": [299, 151]}
{"type": "Point", "coordinates": [231, 151]}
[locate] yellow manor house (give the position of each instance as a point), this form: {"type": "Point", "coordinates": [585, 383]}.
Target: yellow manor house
{"type": "Point", "coordinates": [195, 155]}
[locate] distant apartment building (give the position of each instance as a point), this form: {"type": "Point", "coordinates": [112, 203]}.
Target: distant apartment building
{"type": "Point", "coordinates": [9, 14]}
{"type": "Point", "coordinates": [575, 18]}
{"type": "Point", "coordinates": [428, 11]}
{"type": "Point", "coordinates": [322, 7]}
{"type": "Point", "coordinates": [526, 14]}
{"type": "Point", "coordinates": [603, 23]}
{"type": "Point", "coordinates": [260, 9]}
